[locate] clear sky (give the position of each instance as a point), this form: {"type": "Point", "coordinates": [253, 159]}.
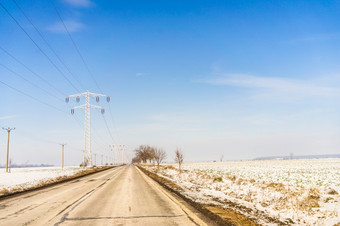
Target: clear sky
{"type": "Point", "coordinates": [242, 79]}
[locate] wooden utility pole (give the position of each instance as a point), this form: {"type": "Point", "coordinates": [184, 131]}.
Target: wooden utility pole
{"type": "Point", "coordinates": [62, 158]}
{"type": "Point", "coordinates": [8, 131]}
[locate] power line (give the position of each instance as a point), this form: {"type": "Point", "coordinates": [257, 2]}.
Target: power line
{"type": "Point", "coordinates": [28, 81]}
{"type": "Point", "coordinates": [113, 123]}
{"type": "Point", "coordinates": [75, 46]}
{"type": "Point", "coordinates": [74, 116]}
{"type": "Point", "coordinates": [73, 42]}
{"type": "Point", "coordinates": [93, 133]}
{"type": "Point", "coordinates": [32, 136]}
{"type": "Point", "coordinates": [84, 62]}
{"type": "Point", "coordinates": [101, 143]}
{"type": "Point", "coordinates": [40, 101]}
{"type": "Point", "coordinates": [108, 129]}
{"type": "Point", "coordinates": [49, 59]}
{"type": "Point", "coordinates": [95, 138]}
{"type": "Point", "coordinates": [47, 43]}
{"type": "Point", "coordinates": [34, 73]}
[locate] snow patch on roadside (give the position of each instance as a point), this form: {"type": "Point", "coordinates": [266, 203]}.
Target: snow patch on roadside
{"type": "Point", "coordinates": [27, 177]}
{"type": "Point", "coordinates": [300, 192]}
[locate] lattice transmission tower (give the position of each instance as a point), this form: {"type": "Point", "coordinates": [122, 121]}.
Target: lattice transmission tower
{"type": "Point", "coordinates": [87, 106]}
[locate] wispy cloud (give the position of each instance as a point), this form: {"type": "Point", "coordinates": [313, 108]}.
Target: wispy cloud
{"type": "Point", "coordinates": [140, 74]}
{"type": "Point", "coordinates": [8, 117]}
{"type": "Point", "coordinates": [72, 26]}
{"type": "Point", "coordinates": [79, 3]}
{"type": "Point", "coordinates": [276, 85]}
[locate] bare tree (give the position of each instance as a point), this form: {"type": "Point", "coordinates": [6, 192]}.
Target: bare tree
{"type": "Point", "coordinates": [151, 154]}
{"type": "Point", "coordinates": [143, 153]}
{"type": "Point", "coordinates": [179, 158]}
{"type": "Point", "coordinates": [136, 160]}
{"type": "Point", "coordinates": [160, 155]}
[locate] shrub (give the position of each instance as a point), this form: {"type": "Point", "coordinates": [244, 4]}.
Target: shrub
{"type": "Point", "coordinates": [218, 179]}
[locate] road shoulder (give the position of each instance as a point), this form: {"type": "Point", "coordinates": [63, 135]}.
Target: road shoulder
{"type": "Point", "coordinates": [192, 212]}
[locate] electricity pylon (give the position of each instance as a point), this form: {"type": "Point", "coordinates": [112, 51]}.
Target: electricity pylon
{"type": "Point", "coordinates": [125, 156]}
{"type": "Point", "coordinates": [112, 149]}
{"type": "Point", "coordinates": [119, 151]}
{"type": "Point", "coordinates": [87, 106]}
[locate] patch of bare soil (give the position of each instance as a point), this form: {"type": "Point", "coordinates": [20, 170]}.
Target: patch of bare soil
{"type": "Point", "coordinates": [231, 216]}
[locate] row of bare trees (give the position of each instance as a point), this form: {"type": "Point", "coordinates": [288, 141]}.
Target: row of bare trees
{"type": "Point", "coordinates": [145, 153]}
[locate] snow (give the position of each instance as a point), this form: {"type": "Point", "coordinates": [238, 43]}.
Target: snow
{"type": "Point", "coordinates": [300, 192]}
{"type": "Point", "coordinates": [22, 178]}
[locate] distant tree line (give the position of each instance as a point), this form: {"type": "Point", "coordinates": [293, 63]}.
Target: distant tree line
{"type": "Point", "coordinates": [146, 153]}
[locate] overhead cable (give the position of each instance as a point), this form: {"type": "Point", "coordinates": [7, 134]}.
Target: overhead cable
{"type": "Point", "coordinates": [48, 58]}
{"type": "Point", "coordinates": [48, 44]}
{"type": "Point", "coordinates": [75, 46]}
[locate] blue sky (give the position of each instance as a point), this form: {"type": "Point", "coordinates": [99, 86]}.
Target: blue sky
{"type": "Point", "coordinates": [242, 79]}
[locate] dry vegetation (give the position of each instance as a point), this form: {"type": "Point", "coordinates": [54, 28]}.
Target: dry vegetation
{"type": "Point", "coordinates": [296, 197]}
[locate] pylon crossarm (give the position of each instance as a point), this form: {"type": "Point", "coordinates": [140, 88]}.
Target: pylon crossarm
{"type": "Point", "coordinates": [77, 95]}
{"type": "Point", "coordinates": [96, 107]}
{"type": "Point", "coordinates": [97, 95]}
{"type": "Point", "coordinates": [80, 107]}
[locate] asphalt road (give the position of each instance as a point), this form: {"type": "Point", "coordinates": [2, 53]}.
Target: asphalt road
{"type": "Point", "coordinates": [119, 196]}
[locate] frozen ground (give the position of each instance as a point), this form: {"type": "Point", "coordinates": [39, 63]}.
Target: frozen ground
{"type": "Point", "coordinates": [301, 192]}
{"type": "Point", "coordinates": [22, 178]}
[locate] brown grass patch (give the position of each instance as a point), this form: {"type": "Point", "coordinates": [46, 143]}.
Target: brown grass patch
{"type": "Point", "coordinates": [331, 191]}
{"type": "Point", "coordinates": [4, 191]}
{"type": "Point", "coordinates": [232, 178]}
{"type": "Point", "coordinates": [170, 167]}
{"type": "Point", "coordinates": [311, 201]}
{"type": "Point", "coordinates": [277, 186]}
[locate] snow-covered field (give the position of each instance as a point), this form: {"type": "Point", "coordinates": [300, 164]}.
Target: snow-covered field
{"type": "Point", "coordinates": [301, 192]}
{"type": "Point", "coordinates": [22, 178]}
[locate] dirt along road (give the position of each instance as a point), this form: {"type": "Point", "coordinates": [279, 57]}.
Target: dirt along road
{"type": "Point", "coordinates": [119, 196]}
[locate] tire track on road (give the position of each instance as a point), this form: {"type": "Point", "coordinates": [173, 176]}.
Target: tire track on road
{"type": "Point", "coordinates": [76, 203]}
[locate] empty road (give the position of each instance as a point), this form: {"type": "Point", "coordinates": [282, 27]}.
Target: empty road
{"type": "Point", "coordinates": [119, 196]}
